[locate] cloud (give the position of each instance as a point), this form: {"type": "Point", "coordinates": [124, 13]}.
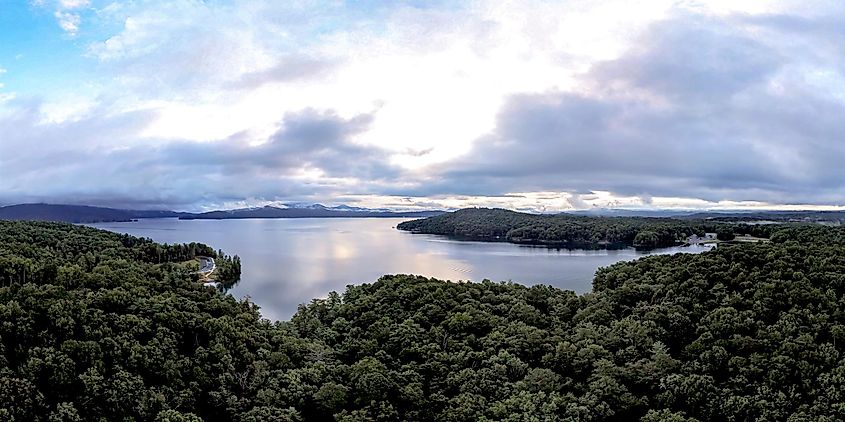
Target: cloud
{"type": "Point", "coordinates": [286, 70]}
{"type": "Point", "coordinates": [312, 153]}
{"type": "Point", "coordinates": [440, 71]}
{"type": "Point", "coordinates": [184, 44]}
{"type": "Point", "coordinates": [701, 108]}
{"type": "Point", "coordinates": [74, 4]}
{"type": "Point", "coordinates": [419, 152]}
{"type": "Point", "coordinates": [537, 104]}
{"type": "Point", "coordinates": [67, 13]}
{"type": "Point", "coordinates": [308, 140]}
{"type": "Point", "coordinates": [68, 21]}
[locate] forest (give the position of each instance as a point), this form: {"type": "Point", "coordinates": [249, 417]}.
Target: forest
{"type": "Point", "coordinates": [98, 326]}
{"type": "Point", "coordinates": [575, 231]}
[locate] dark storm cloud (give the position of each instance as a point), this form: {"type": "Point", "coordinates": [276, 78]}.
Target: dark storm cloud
{"type": "Point", "coordinates": [699, 108]}
{"type": "Point", "coordinates": [76, 169]}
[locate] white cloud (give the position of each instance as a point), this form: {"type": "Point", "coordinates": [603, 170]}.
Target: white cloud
{"type": "Point", "coordinates": [74, 4]}
{"type": "Point", "coordinates": [68, 21]}
{"type": "Point", "coordinates": [67, 13]}
{"type": "Point", "coordinates": [438, 77]}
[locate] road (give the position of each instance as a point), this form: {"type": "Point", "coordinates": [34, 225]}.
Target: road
{"type": "Point", "coordinates": [206, 265]}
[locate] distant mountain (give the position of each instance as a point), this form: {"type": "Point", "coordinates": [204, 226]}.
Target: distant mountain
{"type": "Point", "coordinates": [315, 211]}
{"type": "Point", "coordinates": [303, 205]}
{"type": "Point", "coordinates": [343, 207]}
{"type": "Point", "coordinates": [837, 217]}
{"type": "Point", "coordinates": [727, 215]}
{"type": "Point", "coordinates": [77, 213]}
{"type": "Point", "coordinates": [621, 212]}
{"type": "Point", "coordinates": [90, 214]}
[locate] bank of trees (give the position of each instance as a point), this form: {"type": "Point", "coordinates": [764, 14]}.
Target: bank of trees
{"type": "Point", "coordinates": [574, 231]}
{"type": "Point", "coordinates": [228, 271]}
{"type": "Point", "coordinates": [743, 332]}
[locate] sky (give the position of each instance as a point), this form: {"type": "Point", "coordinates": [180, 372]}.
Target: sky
{"type": "Point", "coordinates": [531, 105]}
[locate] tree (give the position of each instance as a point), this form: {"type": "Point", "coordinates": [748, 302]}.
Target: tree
{"type": "Point", "coordinates": [646, 239]}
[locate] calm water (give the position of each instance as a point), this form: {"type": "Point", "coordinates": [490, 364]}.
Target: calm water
{"type": "Point", "coordinates": [291, 261]}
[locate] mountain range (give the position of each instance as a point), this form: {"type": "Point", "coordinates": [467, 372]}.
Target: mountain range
{"type": "Point", "coordinates": [91, 214]}
{"type": "Point", "coordinates": [315, 210]}
{"type": "Point", "coordinates": [726, 215]}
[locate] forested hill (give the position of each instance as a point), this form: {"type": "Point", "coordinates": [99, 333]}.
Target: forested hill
{"type": "Point", "coordinates": [825, 217]}
{"type": "Point", "coordinates": [77, 213]}
{"type": "Point", "coordinates": [100, 326]}
{"type": "Point", "coordinates": [572, 230]}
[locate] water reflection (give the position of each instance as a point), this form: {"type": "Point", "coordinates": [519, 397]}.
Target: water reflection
{"type": "Point", "coordinates": [290, 261]}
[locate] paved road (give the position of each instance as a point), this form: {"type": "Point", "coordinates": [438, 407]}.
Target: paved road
{"type": "Point", "coordinates": [206, 265]}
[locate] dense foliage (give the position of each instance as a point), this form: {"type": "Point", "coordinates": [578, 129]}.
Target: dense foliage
{"type": "Point", "coordinates": [751, 332]}
{"type": "Point", "coordinates": [100, 325]}
{"type": "Point", "coordinates": [574, 231]}
{"type": "Point", "coordinates": [228, 270]}
{"type": "Point", "coordinates": [106, 332]}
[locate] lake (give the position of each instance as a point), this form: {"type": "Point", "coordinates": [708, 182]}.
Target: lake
{"type": "Point", "coordinates": [291, 261]}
